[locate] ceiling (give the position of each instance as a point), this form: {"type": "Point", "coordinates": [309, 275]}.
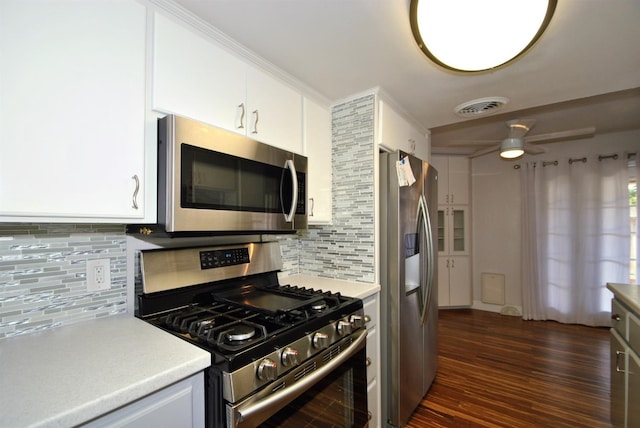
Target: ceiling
{"type": "Point", "coordinates": [584, 71]}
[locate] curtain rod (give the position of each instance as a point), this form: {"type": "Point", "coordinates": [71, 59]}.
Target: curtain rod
{"type": "Point", "coordinates": [583, 159]}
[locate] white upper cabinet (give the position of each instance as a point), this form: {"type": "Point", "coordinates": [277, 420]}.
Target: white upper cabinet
{"type": "Point", "coordinates": [317, 141]}
{"type": "Point", "coordinates": [194, 77]}
{"type": "Point", "coordinates": [453, 179]}
{"type": "Point", "coordinates": [396, 133]}
{"type": "Point", "coordinates": [274, 111]}
{"type": "Point", "coordinates": [72, 110]}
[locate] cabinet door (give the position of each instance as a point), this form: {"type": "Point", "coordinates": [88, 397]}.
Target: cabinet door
{"type": "Point", "coordinates": [395, 133]}
{"type": "Point", "coordinates": [443, 282]}
{"type": "Point", "coordinates": [458, 180]}
{"type": "Point", "coordinates": [317, 147]}
{"type": "Point", "coordinates": [193, 77]}
{"type": "Point", "coordinates": [442, 166]}
{"type": "Point", "coordinates": [453, 230]}
{"type": "Point", "coordinates": [72, 113]}
{"type": "Point", "coordinates": [274, 112]}
{"type": "Point", "coordinates": [618, 388]}
{"type": "Point", "coordinates": [633, 390]}
{"type": "Point", "coordinates": [459, 281]}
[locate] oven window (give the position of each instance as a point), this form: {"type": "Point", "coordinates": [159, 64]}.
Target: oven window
{"type": "Point", "coordinates": [339, 400]}
{"type": "Point", "coordinates": [213, 180]}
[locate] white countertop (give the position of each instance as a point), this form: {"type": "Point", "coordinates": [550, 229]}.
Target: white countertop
{"type": "Point", "coordinates": [360, 290]}
{"type": "Point", "coordinates": [69, 375]}
{"type": "Point", "coordinates": [629, 294]}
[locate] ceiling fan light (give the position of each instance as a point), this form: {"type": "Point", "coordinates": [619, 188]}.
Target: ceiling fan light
{"type": "Point", "coordinates": [511, 148]}
{"type": "Point", "coordinates": [469, 35]}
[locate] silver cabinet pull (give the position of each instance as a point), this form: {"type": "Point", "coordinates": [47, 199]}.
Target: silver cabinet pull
{"type": "Point", "coordinates": [241, 107]}
{"type": "Point", "coordinates": [369, 362]}
{"type": "Point", "coordinates": [255, 125]}
{"type": "Point", "coordinates": [311, 208]}
{"type": "Point", "coordinates": [135, 192]}
{"type": "Point", "coordinates": [615, 317]}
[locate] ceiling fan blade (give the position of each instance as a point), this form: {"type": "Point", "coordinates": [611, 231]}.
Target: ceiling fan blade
{"type": "Point", "coordinates": [553, 137]}
{"type": "Point", "coordinates": [472, 143]}
{"type": "Point", "coordinates": [484, 151]}
{"type": "Point", "coordinates": [534, 150]}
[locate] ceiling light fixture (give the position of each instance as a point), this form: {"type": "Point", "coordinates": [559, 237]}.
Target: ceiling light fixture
{"type": "Point", "coordinates": [472, 35]}
{"type": "Point", "coordinates": [511, 148]}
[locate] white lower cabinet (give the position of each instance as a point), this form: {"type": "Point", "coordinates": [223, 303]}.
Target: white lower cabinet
{"type": "Point", "coordinates": [372, 314]}
{"type": "Point", "coordinates": [72, 110]}
{"type": "Point", "coordinates": [180, 405]}
{"type": "Point", "coordinates": [454, 281]}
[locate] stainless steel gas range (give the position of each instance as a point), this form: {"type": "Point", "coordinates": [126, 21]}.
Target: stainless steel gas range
{"type": "Point", "coordinates": [281, 355]}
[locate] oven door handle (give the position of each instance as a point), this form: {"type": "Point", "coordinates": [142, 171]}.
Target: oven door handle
{"type": "Point", "coordinates": [257, 412]}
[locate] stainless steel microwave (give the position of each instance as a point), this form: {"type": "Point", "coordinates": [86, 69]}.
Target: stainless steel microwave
{"type": "Point", "coordinates": [215, 181]}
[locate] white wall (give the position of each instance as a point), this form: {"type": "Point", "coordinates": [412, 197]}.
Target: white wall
{"type": "Point", "coordinates": [496, 215]}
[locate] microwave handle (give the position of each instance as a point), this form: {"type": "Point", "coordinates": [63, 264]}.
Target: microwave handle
{"type": "Point", "coordinates": [294, 179]}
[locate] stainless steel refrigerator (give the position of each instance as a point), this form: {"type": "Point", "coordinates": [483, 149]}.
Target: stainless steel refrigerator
{"type": "Point", "coordinates": [409, 289]}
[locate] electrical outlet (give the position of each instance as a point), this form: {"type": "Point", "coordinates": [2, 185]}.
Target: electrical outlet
{"type": "Point", "coordinates": [98, 274]}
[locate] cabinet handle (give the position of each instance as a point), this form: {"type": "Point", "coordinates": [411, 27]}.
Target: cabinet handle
{"type": "Point", "coordinates": [446, 198]}
{"type": "Point", "coordinates": [311, 208]}
{"type": "Point", "coordinates": [452, 198]}
{"type": "Point", "coordinates": [368, 362]}
{"type": "Point", "coordinates": [135, 192]}
{"type": "Point", "coordinates": [367, 319]}
{"type": "Point", "coordinates": [412, 145]}
{"type": "Point", "coordinates": [615, 317]}
{"type": "Point", "coordinates": [618, 353]}
{"type": "Point", "coordinates": [255, 125]}
{"type": "Point", "coordinates": [241, 106]}
{"type": "Point", "coordinates": [453, 264]}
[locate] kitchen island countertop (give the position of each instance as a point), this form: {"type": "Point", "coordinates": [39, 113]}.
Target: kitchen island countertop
{"type": "Point", "coordinates": [69, 375]}
{"type": "Point", "coordinates": [629, 294]}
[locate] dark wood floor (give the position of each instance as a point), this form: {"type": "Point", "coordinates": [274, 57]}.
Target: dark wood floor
{"type": "Point", "coordinates": [500, 371]}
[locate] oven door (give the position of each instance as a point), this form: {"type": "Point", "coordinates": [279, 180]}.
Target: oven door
{"type": "Point", "coordinates": [330, 390]}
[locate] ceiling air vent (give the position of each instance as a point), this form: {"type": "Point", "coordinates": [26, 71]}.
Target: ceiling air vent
{"type": "Point", "coordinates": [480, 106]}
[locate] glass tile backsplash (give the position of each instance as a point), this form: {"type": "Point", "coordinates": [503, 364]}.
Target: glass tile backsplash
{"type": "Point", "coordinates": [43, 274]}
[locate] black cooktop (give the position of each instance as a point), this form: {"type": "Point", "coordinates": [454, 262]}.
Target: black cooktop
{"type": "Point", "coordinates": [240, 324]}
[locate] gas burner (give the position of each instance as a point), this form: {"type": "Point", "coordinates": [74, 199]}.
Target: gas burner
{"type": "Point", "coordinates": [239, 333]}
{"type": "Point", "coordinates": [319, 306]}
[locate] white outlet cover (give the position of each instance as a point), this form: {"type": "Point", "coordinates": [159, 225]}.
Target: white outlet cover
{"type": "Point", "coordinates": [93, 284]}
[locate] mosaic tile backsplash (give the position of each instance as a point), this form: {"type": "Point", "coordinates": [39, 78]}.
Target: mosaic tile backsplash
{"type": "Point", "coordinates": [43, 274]}
{"type": "Point", "coordinates": [346, 249]}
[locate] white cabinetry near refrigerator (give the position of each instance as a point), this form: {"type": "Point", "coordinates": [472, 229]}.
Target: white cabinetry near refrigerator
{"type": "Point", "coordinates": [317, 148]}
{"type": "Point", "coordinates": [72, 110]}
{"type": "Point", "coordinates": [625, 361]}
{"type": "Point", "coordinates": [195, 78]}
{"type": "Point", "coordinates": [396, 133]}
{"type": "Point", "coordinates": [454, 263]}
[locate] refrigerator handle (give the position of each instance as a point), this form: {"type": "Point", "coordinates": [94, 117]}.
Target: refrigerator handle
{"type": "Point", "coordinates": [428, 258]}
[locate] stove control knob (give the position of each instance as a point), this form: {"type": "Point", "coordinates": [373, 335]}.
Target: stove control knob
{"type": "Point", "coordinates": [344, 327]}
{"type": "Point", "coordinates": [267, 370]}
{"type": "Point", "coordinates": [357, 321]}
{"type": "Point", "coordinates": [289, 357]}
{"type": "Point", "coordinates": [320, 340]}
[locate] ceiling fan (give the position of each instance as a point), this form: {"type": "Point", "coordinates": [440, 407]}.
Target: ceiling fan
{"type": "Point", "coordinates": [518, 142]}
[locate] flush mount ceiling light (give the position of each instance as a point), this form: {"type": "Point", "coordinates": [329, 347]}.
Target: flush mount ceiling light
{"type": "Point", "coordinates": [474, 35]}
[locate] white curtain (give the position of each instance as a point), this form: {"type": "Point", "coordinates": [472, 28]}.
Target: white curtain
{"type": "Point", "coordinates": [576, 238]}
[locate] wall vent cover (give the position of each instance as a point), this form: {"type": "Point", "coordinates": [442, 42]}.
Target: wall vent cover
{"type": "Point", "coordinates": [480, 106]}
